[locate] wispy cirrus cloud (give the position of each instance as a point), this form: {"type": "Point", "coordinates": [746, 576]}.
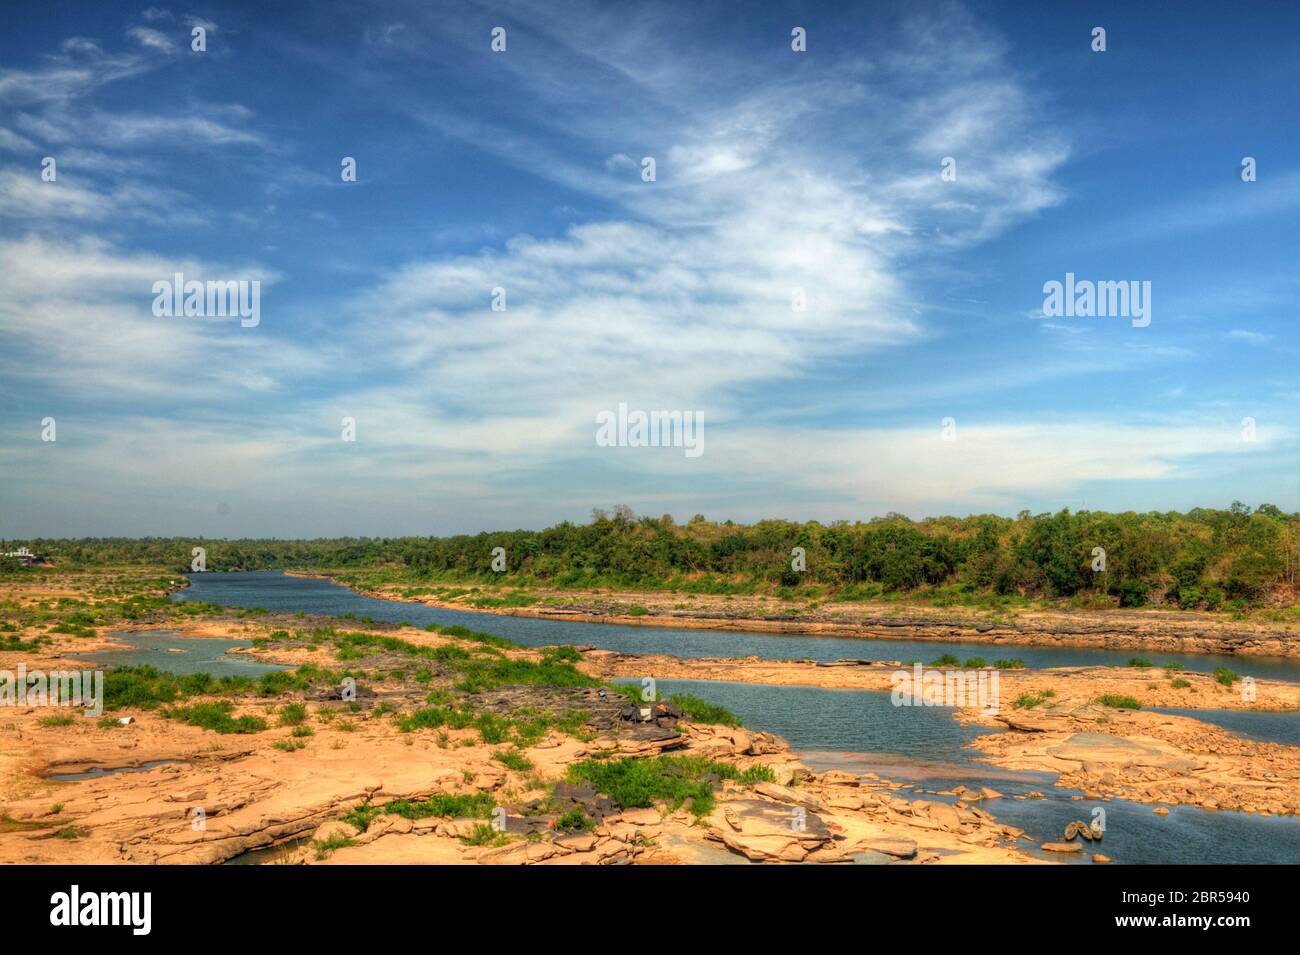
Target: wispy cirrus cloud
{"type": "Point", "coordinates": [78, 320]}
{"type": "Point", "coordinates": [80, 67]}
{"type": "Point", "coordinates": [154, 39]}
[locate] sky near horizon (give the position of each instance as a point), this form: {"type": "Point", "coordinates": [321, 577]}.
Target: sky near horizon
{"type": "Point", "coordinates": [921, 375]}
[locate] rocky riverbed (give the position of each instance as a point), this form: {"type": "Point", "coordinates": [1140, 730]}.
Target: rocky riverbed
{"type": "Point", "coordinates": [345, 781]}
{"type": "Point", "coordinates": [1147, 757]}
{"type": "Point", "coordinates": [1054, 722]}
{"type": "Point", "coordinates": [1151, 686]}
{"type": "Point", "coordinates": [200, 797]}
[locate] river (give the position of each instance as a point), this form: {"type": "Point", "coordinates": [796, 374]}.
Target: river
{"type": "Point", "coordinates": [277, 592]}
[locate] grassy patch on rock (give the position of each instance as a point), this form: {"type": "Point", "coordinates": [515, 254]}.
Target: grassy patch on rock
{"type": "Point", "coordinates": [1119, 702]}
{"type": "Point", "coordinates": [1027, 701]}
{"type": "Point", "coordinates": [514, 759]}
{"type": "Point", "coordinates": [634, 783]}
{"type": "Point", "coordinates": [442, 805]}
{"type": "Point", "coordinates": [1225, 676]}
{"type": "Point", "coordinates": [216, 716]}
{"type": "Point", "coordinates": [146, 687]}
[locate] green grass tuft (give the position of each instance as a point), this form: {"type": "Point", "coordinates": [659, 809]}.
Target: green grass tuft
{"type": "Point", "coordinates": [1118, 702]}
{"type": "Point", "coordinates": [216, 716]}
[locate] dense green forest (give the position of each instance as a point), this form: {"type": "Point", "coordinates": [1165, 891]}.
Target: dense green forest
{"type": "Point", "coordinates": [1202, 559]}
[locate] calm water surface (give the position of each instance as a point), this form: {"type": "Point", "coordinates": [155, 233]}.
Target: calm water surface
{"type": "Point", "coordinates": [168, 650]}
{"type": "Point", "coordinates": [274, 591]}
{"type": "Point", "coordinates": [1265, 727]}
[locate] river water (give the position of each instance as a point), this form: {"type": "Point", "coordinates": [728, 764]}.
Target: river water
{"type": "Point", "coordinates": [861, 731]}
{"type": "Point", "coordinates": [167, 650]}
{"type": "Point", "coordinates": [274, 591]}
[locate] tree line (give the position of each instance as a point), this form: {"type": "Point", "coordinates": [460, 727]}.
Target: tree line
{"type": "Point", "coordinates": [1204, 558]}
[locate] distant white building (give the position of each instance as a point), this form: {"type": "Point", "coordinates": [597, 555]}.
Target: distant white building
{"type": "Point", "coordinates": [25, 556]}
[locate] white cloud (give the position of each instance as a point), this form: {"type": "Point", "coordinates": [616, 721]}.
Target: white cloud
{"type": "Point", "coordinates": [12, 142]}
{"type": "Point", "coordinates": [153, 39]}
{"type": "Point", "coordinates": [684, 298]}
{"type": "Point", "coordinates": [993, 466]}
{"type": "Point", "coordinates": [78, 320]}
{"type": "Point", "coordinates": [25, 195]}
{"type": "Point", "coordinates": [81, 67]}
{"type": "Point", "coordinates": [189, 128]}
{"type": "Point", "coordinates": [1249, 337]}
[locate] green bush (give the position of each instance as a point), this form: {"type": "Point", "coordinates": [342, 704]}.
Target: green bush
{"type": "Point", "coordinates": [574, 821]}
{"type": "Point", "coordinates": [216, 716]}
{"type": "Point", "coordinates": [293, 714]}
{"type": "Point", "coordinates": [440, 805]}
{"type": "Point", "coordinates": [1027, 701]}
{"type": "Point", "coordinates": [1225, 676]}
{"type": "Point", "coordinates": [640, 783]}
{"type": "Point", "coordinates": [515, 760]}
{"type": "Point", "coordinates": [142, 687]}
{"type": "Point", "coordinates": [1132, 593]}
{"type": "Point", "coordinates": [487, 837]}
{"type": "Point", "coordinates": [1116, 701]}
{"type": "Point", "coordinates": [701, 711]}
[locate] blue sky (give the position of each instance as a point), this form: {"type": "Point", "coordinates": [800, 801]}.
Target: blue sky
{"type": "Point", "coordinates": [776, 170]}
